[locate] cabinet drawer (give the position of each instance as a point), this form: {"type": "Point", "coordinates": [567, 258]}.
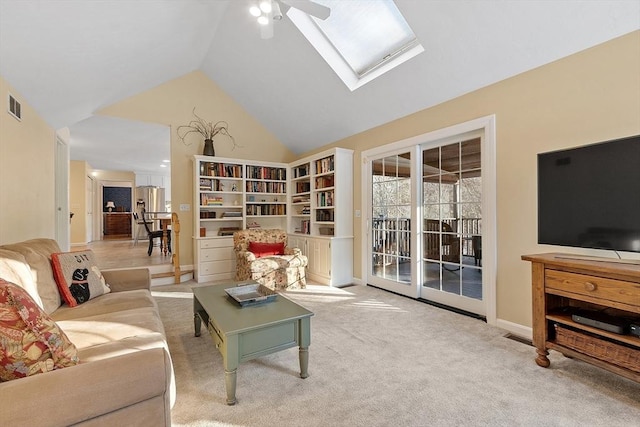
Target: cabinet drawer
{"type": "Point", "coordinates": [214, 267]}
{"type": "Point", "coordinates": [593, 286]}
{"type": "Point", "coordinates": [215, 254]}
{"type": "Point", "coordinates": [216, 243]}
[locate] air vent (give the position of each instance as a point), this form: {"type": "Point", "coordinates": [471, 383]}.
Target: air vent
{"type": "Point", "coordinates": [15, 109]}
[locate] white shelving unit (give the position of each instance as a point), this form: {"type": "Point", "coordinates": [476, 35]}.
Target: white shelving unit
{"type": "Point", "coordinates": [232, 194]}
{"type": "Point", "coordinates": [311, 198]}
{"type": "Point", "coordinates": [321, 208]}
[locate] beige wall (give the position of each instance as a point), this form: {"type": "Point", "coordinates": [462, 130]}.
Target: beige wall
{"type": "Point", "coordinates": [78, 171]}
{"type": "Point", "coordinates": [171, 104]}
{"type": "Point", "coordinates": [27, 196]}
{"type": "Point", "coordinates": [585, 98]}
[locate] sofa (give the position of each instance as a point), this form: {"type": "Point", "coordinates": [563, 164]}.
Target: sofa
{"type": "Point", "coordinates": [263, 255]}
{"type": "Point", "coordinates": [124, 375]}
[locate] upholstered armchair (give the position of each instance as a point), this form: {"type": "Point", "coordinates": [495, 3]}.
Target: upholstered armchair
{"type": "Point", "coordinates": [263, 255]}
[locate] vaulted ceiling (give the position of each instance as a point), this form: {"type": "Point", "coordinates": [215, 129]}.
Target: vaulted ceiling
{"type": "Point", "coordinates": [70, 58]}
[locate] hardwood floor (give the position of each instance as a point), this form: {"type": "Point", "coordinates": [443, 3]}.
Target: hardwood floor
{"type": "Point", "coordinates": [114, 253]}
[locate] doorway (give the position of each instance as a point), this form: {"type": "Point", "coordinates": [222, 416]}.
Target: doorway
{"type": "Point", "coordinates": [430, 217]}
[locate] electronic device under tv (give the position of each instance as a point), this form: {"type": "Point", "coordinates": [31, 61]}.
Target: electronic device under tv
{"type": "Point", "coordinates": [589, 196]}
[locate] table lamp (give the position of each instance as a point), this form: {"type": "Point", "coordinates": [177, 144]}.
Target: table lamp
{"type": "Point", "coordinates": [110, 206]}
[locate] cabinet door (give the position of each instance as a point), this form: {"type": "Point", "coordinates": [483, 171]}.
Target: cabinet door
{"type": "Point", "coordinates": [320, 257]}
{"type": "Point", "coordinates": [298, 242]}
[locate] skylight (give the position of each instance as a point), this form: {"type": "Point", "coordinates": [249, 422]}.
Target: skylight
{"type": "Point", "coordinates": [361, 40]}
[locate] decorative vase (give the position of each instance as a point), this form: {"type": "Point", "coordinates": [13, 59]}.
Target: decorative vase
{"type": "Point", "coordinates": [208, 148]}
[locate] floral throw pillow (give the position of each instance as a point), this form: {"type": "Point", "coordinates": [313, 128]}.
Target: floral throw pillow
{"type": "Point", "coordinates": [78, 277]}
{"type": "Point", "coordinates": [30, 341]}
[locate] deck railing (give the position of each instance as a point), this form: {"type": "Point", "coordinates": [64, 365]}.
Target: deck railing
{"type": "Point", "coordinates": [392, 236]}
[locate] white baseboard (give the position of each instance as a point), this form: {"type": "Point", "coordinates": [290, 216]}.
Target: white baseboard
{"type": "Point", "coordinates": [515, 328]}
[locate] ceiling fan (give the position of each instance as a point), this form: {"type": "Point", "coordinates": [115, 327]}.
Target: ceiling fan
{"type": "Point", "coordinates": [268, 11]}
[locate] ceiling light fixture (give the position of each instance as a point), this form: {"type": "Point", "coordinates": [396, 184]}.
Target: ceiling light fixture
{"type": "Point", "coordinates": [263, 9]}
{"type": "Point", "coordinates": [265, 6]}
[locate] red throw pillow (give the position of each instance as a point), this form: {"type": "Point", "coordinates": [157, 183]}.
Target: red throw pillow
{"type": "Point", "coordinates": [260, 249]}
{"type": "Point", "coordinates": [30, 341]}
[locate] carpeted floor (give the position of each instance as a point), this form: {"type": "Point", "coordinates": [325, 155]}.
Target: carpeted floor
{"type": "Point", "coordinates": [378, 359]}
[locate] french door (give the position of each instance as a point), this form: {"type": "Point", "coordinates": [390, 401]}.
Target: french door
{"type": "Point", "coordinates": [392, 264]}
{"type": "Point", "coordinates": [424, 222]}
{"type": "Point", "coordinates": [451, 259]}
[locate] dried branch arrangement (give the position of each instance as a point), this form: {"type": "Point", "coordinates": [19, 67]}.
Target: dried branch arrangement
{"type": "Point", "coordinates": [208, 130]}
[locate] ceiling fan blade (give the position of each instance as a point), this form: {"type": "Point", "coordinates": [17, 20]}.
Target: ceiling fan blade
{"type": "Point", "coordinates": [309, 7]}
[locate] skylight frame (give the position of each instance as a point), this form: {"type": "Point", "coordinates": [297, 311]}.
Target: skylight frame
{"type": "Point", "coordinates": [352, 79]}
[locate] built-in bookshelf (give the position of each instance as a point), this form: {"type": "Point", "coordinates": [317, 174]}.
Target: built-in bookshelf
{"type": "Point", "coordinates": [300, 207]}
{"type": "Point", "coordinates": [218, 197]}
{"type": "Point", "coordinates": [312, 199]}
{"type": "Point", "coordinates": [322, 194]}
{"type": "Point", "coordinates": [320, 222]}
{"type": "Point", "coordinates": [266, 196]}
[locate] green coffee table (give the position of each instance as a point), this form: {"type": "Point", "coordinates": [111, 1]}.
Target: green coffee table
{"type": "Point", "coordinates": [244, 333]}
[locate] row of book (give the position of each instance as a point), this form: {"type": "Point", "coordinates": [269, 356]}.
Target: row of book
{"type": "Point", "coordinates": [324, 198]}
{"type": "Point", "coordinates": [325, 165]}
{"type": "Point", "coordinates": [266, 187]}
{"type": "Point", "coordinates": [303, 187]}
{"type": "Point", "coordinates": [209, 200]}
{"type": "Point", "coordinates": [300, 171]}
{"type": "Point", "coordinates": [324, 181]}
{"type": "Point", "coordinates": [305, 227]}
{"type": "Point", "coordinates": [324, 215]}
{"type": "Point", "coordinates": [220, 169]}
{"type": "Point", "coordinates": [266, 210]}
{"type": "Point", "coordinates": [263, 172]}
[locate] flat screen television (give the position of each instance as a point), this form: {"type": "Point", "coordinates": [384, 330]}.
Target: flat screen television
{"type": "Point", "coordinates": [589, 196]}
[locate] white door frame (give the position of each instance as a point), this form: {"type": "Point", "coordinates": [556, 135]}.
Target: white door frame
{"type": "Point", "coordinates": [485, 124]}
{"type": "Point", "coordinates": [63, 227]}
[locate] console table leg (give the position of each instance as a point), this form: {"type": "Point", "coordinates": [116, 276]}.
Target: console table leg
{"type": "Point", "coordinates": [542, 359]}
{"type": "Point", "coordinates": [230, 385]}
{"type": "Point", "coordinates": [304, 362]}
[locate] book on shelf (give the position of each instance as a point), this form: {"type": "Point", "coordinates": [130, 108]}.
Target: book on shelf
{"type": "Point", "coordinates": [232, 214]}
{"type": "Point", "coordinates": [266, 172]}
{"type": "Point", "coordinates": [300, 199]}
{"type": "Point", "coordinates": [301, 171]}
{"type": "Point", "coordinates": [324, 165]}
{"type": "Point", "coordinates": [208, 200]}
{"type": "Point", "coordinates": [227, 231]}
{"type": "Point", "coordinates": [220, 169]}
{"type": "Point", "coordinates": [324, 181]}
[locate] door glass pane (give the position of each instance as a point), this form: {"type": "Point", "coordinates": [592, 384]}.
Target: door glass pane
{"type": "Point", "coordinates": [391, 218]}
{"type": "Point", "coordinates": [452, 229]}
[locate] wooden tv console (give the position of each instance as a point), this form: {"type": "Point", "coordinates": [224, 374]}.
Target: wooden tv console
{"type": "Point", "coordinates": [561, 284]}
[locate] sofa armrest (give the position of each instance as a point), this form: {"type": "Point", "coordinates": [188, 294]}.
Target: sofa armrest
{"type": "Point", "coordinates": [78, 393]}
{"type": "Point", "coordinates": [246, 256]}
{"type": "Point", "coordinates": [292, 251]}
{"type": "Point", "coordinates": [127, 279]}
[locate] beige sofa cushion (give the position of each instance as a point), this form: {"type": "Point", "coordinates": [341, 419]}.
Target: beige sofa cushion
{"type": "Point", "coordinates": [14, 269]}
{"type": "Point", "coordinates": [37, 253]}
{"type": "Point", "coordinates": [107, 303]}
{"type": "Point", "coordinates": [94, 330]}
